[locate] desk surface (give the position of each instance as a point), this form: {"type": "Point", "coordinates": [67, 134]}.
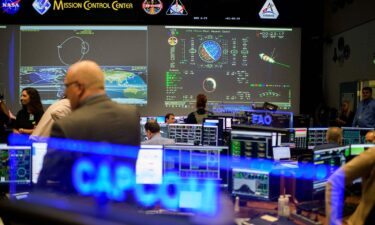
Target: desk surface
{"type": "Point", "coordinates": [254, 208]}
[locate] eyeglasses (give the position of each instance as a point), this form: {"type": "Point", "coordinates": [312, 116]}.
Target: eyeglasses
{"type": "Point", "coordinates": [68, 84]}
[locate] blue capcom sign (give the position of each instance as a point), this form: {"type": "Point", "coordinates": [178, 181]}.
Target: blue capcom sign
{"type": "Point", "coordinates": [107, 171]}
{"type": "Point", "coordinates": [116, 182]}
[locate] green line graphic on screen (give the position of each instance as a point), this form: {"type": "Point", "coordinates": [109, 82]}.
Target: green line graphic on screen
{"type": "Point", "coordinates": [269, 59]}
{"type": "Point", "coordinates": [209, 51]}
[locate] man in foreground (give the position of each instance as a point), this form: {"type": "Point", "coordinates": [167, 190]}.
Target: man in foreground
{"type": "Point", "coordinates": [94, 118]}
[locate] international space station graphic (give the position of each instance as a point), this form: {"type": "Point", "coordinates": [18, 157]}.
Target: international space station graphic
{"type": "Point", "coordinates": [271, 60]}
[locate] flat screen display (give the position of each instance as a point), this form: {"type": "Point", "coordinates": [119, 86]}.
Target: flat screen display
{"type": "Point", "coordinates": [159, 68]}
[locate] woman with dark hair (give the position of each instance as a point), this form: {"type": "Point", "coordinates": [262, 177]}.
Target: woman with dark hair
{"type": "Point", "coordinates": [198, 116]}
{"type": "Point", "coordinates": [32, 110]}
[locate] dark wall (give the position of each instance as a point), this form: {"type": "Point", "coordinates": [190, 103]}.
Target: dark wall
{"type": "Point", "coordinates": [312, 57]}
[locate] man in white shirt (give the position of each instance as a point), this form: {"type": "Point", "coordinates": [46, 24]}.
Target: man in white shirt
{"type": "Point", "coordinates": [54, 112]}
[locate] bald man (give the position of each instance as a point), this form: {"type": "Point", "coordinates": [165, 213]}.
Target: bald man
{"type": "Point", "coordinates": [333, 138]}
{"type": "Point", "coordinates": [94, 117]}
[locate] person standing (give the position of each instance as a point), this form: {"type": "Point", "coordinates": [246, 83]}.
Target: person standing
{"type": "Point", "coordinates": [5, 120]}
{"type": "Point", "coordinates": [54, 112]}
{"type": "Point", "coordinates": [201, 113]}
{"type": "Point", "coordinates": [365, 114]}
{"type": "Point", "coordinates": [345, 115]}
{"type": "Point", "coordinates": [94, 118]}
{"type": "Point", "coordinates": [32, 110]}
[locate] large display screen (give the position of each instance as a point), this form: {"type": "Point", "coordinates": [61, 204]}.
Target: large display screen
{"type": "Point", "coordinates": [159, 68]}
{"type": "Point", "coordinates": [121, 51]}
{"type": "Point", "coordinates": [230, 65]}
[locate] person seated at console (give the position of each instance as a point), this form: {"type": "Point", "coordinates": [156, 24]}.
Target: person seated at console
{"type": "Point", "coordinates": [154, 137]}
{"type": "Point", "coordinates": [169, 118]}
{"type": "Point", "coordinates": [370, 137]}
{"type": "Point", "coordinates": [32, 110]}
{"type": "Point", "coordinates": [333, 137]}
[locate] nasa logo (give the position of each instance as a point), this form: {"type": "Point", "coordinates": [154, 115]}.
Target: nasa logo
{"type": "Point", "coordinates": [10, 6]}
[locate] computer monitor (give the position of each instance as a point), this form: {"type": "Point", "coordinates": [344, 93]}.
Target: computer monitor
{"type": "Point", "coordinates": [356, 149]}
{"type": "Point", "coordinates": [251, 144]}
{"type": "Point", "coordinates": [325, 163]}
{"type": "Point", "coordinates": [185, 133]}
{"type": "Point", "coordinates": [228, 123]}
{"type": "Point", "coordinates": [254, 184]}
{"type": "Point", "coordinates": [281, 152]}
{"type": "Point", "coordinates": [225, 120]}
{"type": "Point", "coordinates": [331, 157]}
{"type": "Point", "coordinates": [160, 119]}
{"type": "Point", "coordinates": [149, 166]}
{"type": "Point", "coordinates": [316, 136]}
{"type": "Point", "coordinates": [16, 165]}
{"type": "Point", "coordinates": [39, 150]}
{"type": "Point", "coordinates": [180, 119]}
{"type": "Point", "coordinates": [214, 120]}
{"type": "Point", "coordinates": [288, 139]}
{"type": "Point", "coordinates": [212, 132]}
{"type": "Point", "coordinates": [164, 130]}
{"type": "Point", "coordinates": [198, 162]}
{"type": "Point", "coordinates": [354, 135]}
{"type": "Point", "coordinates": [300, 137]}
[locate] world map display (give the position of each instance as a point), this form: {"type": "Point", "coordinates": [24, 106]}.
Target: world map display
{"type": "Point", "coordinates": [124, 84]}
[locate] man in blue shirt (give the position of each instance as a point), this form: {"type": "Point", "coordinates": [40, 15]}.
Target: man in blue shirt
{"type": "Point", "coordinates": [365, 115]}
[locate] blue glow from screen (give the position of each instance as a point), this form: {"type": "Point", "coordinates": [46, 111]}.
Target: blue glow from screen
{"type": "Point", "coordinates": [81, 177]}
{"type": "Point", "coordinates": [96, 176]}
{"type": "Point", "coordinates": [170, 200]}
{"type": "Point", "coordinates": [11, 68]}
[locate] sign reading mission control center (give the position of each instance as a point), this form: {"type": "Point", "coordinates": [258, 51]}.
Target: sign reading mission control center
{"type": "Point", "coordinates": [75, 11]}
{"type": "Point", "coordinates": [89, 5]}
{"type": "Point", "coordinates": [152, 12]}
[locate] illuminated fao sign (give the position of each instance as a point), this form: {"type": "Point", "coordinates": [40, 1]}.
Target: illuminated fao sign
{"type": "Point", "coordinates": [259, 119]}
{"type": "Point", "coordinates": [117, 182]}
